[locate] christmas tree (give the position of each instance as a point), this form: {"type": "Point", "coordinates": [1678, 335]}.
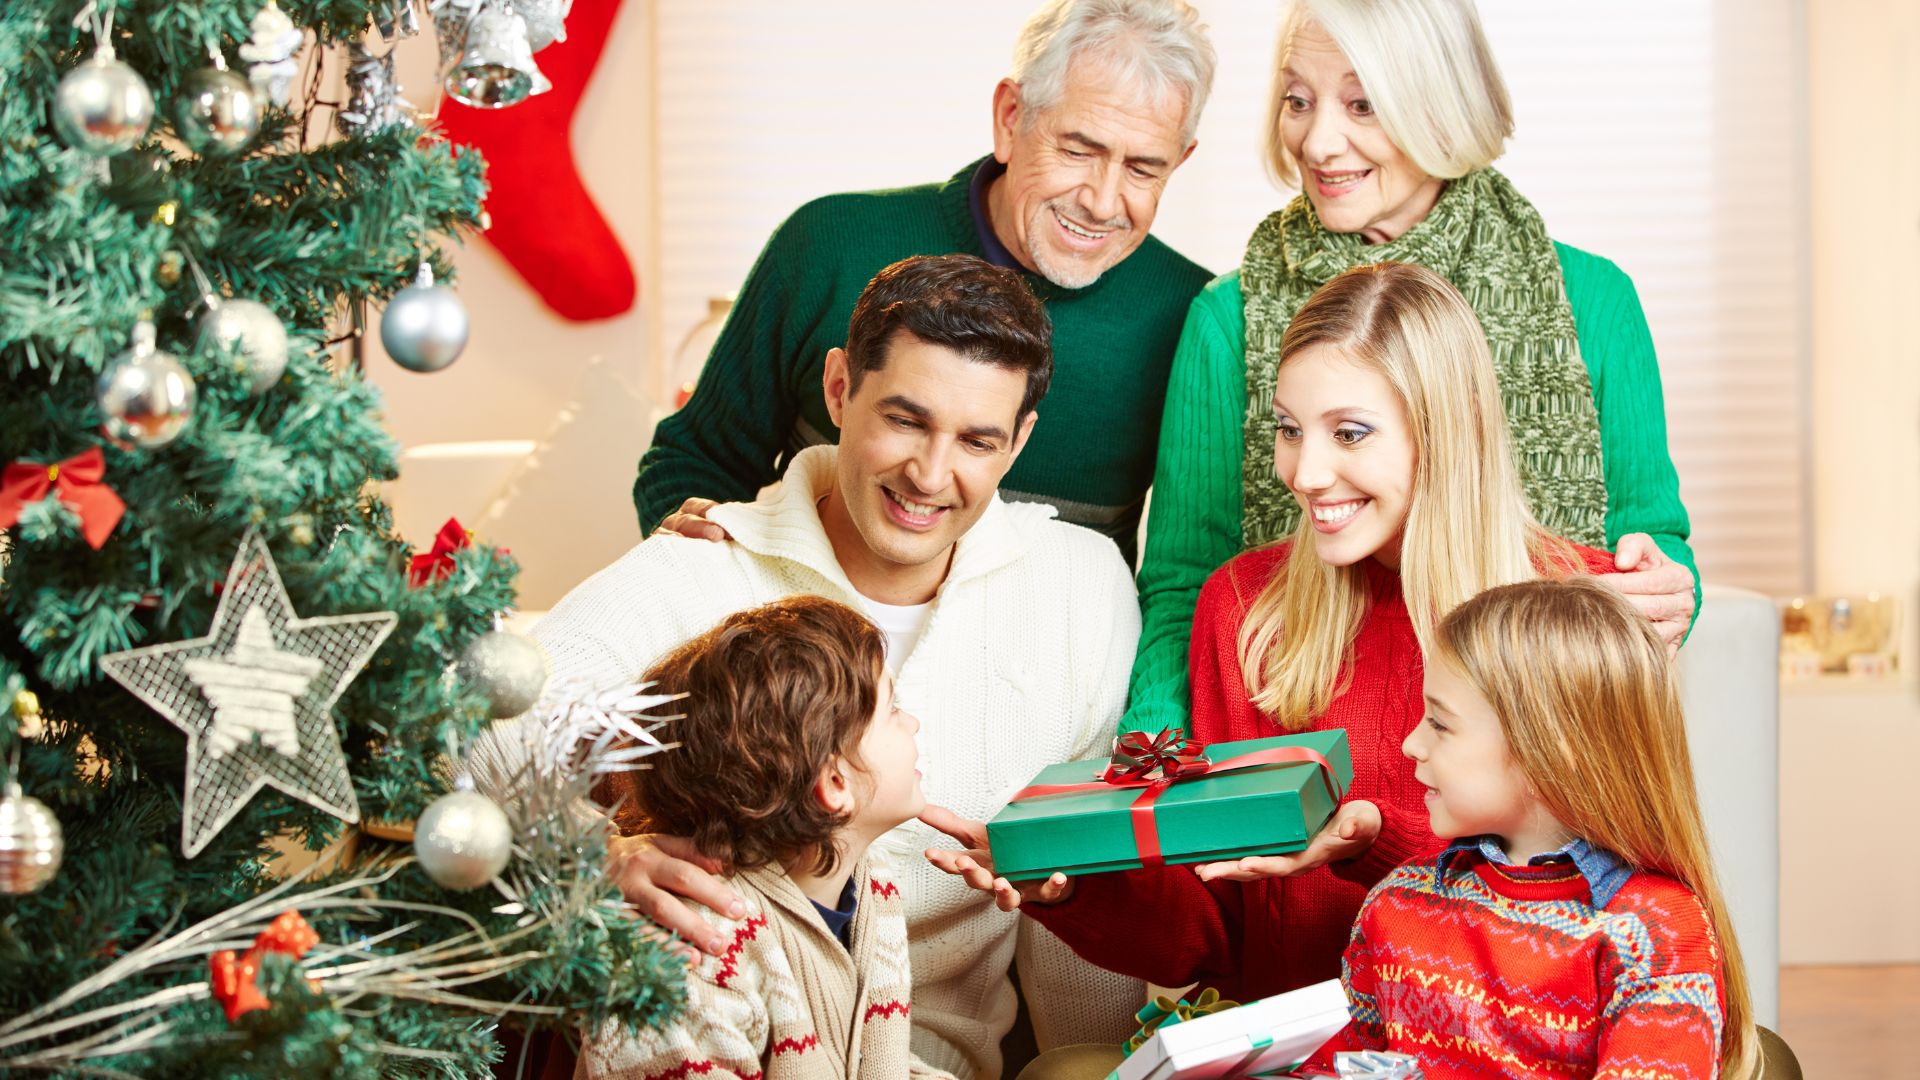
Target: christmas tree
{"type": "Point", "coordinates": [212, 646]}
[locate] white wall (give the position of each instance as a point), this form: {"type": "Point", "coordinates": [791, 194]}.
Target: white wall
{"type": "Point", "coordinates": [1864, 91]}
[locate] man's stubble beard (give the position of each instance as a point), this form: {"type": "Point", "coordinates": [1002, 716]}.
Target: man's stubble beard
{"type": "Point", "coordinates": [1078, 273]}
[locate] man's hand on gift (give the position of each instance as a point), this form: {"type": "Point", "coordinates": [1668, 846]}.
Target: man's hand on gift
{"type": "Point", "coordinates": [691, 521]}
{"type": "Point", "coordinates": [656, 872]}
{"type": "Point", "coordinates": [1347, 835]}
{"type": "Point", "coordinates": [975, 864]}
{"type": "Point", "coordinates": [1661, 588]}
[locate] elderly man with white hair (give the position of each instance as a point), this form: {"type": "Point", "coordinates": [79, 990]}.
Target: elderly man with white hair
{"type": "Point", "coordinates": [1099, 112]}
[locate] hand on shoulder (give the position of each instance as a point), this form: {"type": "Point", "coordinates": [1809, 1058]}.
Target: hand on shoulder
{"type": "Point", "coordinates": [691, 521]}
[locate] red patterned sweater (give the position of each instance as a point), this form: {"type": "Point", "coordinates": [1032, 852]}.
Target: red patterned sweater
{"type": "Point", "coordinates": [787, 1001]}
{"type": "Point", "coordinates": [1255, 939]}
{"type": "Point", "coordinates": [1482, 970]}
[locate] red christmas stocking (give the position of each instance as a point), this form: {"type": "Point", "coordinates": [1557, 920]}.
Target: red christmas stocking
{"type": "Point", "coordinates": [544, 221]}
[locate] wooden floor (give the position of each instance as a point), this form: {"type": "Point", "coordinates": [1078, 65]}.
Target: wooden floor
{"type": "Point", "coordinates": [1845, 1022]}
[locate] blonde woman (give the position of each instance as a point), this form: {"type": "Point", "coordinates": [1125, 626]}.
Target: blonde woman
{"type": "Point", "coordinates": [1390, 428]}
{"type": "Point", "coordinates": [1578, 893]}
{"type": "Point", "coordinates": [1388, 116]}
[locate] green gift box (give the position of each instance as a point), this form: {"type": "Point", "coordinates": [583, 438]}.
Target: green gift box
{"type": "Point", "coordinates": [1155, 802]}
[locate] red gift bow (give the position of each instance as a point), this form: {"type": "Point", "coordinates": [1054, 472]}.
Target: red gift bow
{"type": "Point", "coordinates": [77, 483]}
{"type": "Point", "coordinates": [437, 565]}
{"type": "Point", "coordinates": [1168, 755]}
{"type": "Point", "coordinates": [1146, 831]}
{"type": "Point", "coordinates": [235, 978]}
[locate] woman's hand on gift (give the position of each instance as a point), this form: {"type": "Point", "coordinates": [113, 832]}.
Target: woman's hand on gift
{"type": "Point", "coordinates": [1661, 588]}
{"type": "Point", "coordinates": [1347, 835]}
{"type": "Point", "coordinates": [691, 521]}
{"type": "Point", "coordinates": [974, 865]}
{"type": "Point", "coordinates": [655, 873]}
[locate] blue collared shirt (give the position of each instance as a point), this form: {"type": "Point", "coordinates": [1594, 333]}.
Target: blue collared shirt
{"type": "Point", "coordinates": [839, 920]}
{"type": "Point", "coordinates": [1604, 871]}
{"type": "Point", "coordinates": [991, 248]}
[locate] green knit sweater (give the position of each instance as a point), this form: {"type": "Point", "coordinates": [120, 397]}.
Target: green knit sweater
{"type": "Point", "coordinates": [759, 398]}
{"type": "Point", "coordinates": [1195, 524]}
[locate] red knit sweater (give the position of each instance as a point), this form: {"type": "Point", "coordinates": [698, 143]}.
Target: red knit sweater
{"type": "Point", "coordinates": [1482, 970]}
{"type": "Point", "coordinates": [1255, 939]}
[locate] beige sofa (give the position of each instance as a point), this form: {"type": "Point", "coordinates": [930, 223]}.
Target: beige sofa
{"type": "Point", "coordinates": [1729, 675]}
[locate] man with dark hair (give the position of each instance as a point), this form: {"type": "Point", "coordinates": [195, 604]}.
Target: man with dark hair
{"type": "Point", "coordinates": [1099, 111]}
{"type": "Point", "coordinates": [1010, 634]}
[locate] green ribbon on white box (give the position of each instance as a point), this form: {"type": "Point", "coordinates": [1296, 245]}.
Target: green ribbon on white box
{"type": "Point", "coordinates": [1260, 1038]}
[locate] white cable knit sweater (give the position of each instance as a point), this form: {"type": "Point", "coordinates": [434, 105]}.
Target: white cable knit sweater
{"type": "Point", "coordinates": [1023, 664]}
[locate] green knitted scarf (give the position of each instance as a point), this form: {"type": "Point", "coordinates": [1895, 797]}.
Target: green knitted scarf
{"type": "Point", "coordinates": [1486, 239]}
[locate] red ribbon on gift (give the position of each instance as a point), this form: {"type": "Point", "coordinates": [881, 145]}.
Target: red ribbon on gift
{"type": "Point", "coordinates": [234, 978]}
{"type": "Point", "coordinates": [75, 481]}
{"type": "Point", "coordinates": [1146, 831]}
{"type": "Point", "coordinates": [437, 564]}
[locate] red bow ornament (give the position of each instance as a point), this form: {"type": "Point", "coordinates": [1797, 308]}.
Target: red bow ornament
{"type": "Point", "coordinates": [235, 979]}
{"type": "Point", "coordinates": [76, 482]}
{"type": "Point", "coordinates": [235, 982]}
{"type": "Point", "coordinates": [437, 565]}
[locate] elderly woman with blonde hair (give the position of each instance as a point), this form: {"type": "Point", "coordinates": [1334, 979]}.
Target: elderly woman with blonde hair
{"type": "Point", "coordinates": [1388, 115]}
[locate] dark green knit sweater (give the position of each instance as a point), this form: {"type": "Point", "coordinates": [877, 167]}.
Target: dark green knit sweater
{"type": "Point", "coordinates": [759, 398]}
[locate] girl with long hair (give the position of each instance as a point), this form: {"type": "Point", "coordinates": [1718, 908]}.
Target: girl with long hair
{"type": "Point", "coordinates": [1392, 435]}
{"type": "Point", "coordinates": [1574, 927]}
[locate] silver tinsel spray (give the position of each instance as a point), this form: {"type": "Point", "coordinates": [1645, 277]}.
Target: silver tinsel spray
{"type": "Point", "coordinates": [374, 103]}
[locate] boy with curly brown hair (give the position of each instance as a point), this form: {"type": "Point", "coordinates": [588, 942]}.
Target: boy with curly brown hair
{"type": "Point", "coordinates": [792, 759]}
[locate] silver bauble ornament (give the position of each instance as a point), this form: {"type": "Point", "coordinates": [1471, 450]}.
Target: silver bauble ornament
{"type": "Point", "coordinates": [509, 669]}
{"type": "Point", "coordinates": [495, 67]}
{"type": "Point", "coordinates": [103, 106]}
{"type": "Point", "coordinates": [216, 112]}
{"type": "Point", "coordinates": [146, 396]}
{"type": "Point", "coordinates": [30, 843]}
{"type": "Point", "coordinates": [252, 334]}
{"type": "Point", "coordinates": [425, 325]}
{"type": "Point", "coordinates": [463, 840]}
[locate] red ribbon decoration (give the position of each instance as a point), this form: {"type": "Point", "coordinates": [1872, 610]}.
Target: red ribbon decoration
{"type": "Point", "coordinates": [75, 481]}
{"type": "Point", "coordinates": [1146, 832]}
{"type": "Point", "coordinates": [235, 978]}
{"type": "Point", "coordinates": [437, 565]}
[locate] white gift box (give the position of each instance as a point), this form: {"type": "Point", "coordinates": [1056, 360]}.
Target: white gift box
{"type": "Point", "coordinates": [1263, 1036]}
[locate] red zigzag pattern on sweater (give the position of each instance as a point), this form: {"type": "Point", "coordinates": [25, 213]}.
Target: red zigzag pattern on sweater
{"type": "Point", "coordinates": [687, 1068]}
{"type": "Point", "coordinates": [729, 966]}
{"type": "Point", "coordinates": [886, 890]}
{"type": "Point", "coordinates": [795, 1046]}
{"type": "Point", "coordinates": [891, 1008]}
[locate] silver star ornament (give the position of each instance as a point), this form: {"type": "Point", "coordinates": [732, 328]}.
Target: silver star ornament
{"type": "Point", "coordinates": [255, 697]}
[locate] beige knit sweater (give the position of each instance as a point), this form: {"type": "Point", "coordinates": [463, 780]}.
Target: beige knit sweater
{"type": "Point", "coordinates": [787, 1001]}
{"type": "Point", "coordinates": [1023, 664]}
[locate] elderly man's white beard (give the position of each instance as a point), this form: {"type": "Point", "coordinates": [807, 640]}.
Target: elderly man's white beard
{"type": "Point", "coordinates": [1073, 273]}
